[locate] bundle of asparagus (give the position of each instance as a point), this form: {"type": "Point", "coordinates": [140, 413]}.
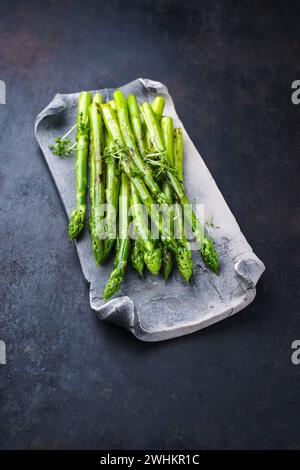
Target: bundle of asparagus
{"type": "Point", "coordinates": [136, 183]}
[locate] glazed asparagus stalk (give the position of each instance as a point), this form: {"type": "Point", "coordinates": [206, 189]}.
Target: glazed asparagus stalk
{"type": "Point", "coordinates": [167, 130]}
{"type": "Point", "coordinates": [137, 255]}
{"type": "Point", "coordinates": [207, 250]}
{"type": "Point", "coordinates": [137, 252]}
{"type": "Point", "coordinates": [185, 258]}
{"type": "Point", "coordinates": [129, 141]}
{"type": "Point", "coordinates": [97, 177]}
{"type": "Point", "coordinates": [184, 253]}
{"type": "Point", "coordinates": [146, 171]}
{"type": "Point", "coordinates": [111, 196]}
{"type": "Point", "coordinates": [135, 119]}
{"type": "Point", "coordinates": [141, 139]}
{"type": "Point", "coordinates": [136, 124]}
{"type": "Point", "coordinates": [123, 245]}
{"type": "Point", "coordinates": [78, 215]}
{"type": "Point", "coordinates": [178, 153]}
{"type": "Point", "coordinates": [151, 250]}
{"type": "Point", "coordinates": [139, 134]}
{"type": "Point", "coordinates": [133, 173]}
{"type": "Point", "coordinates": [167, 262]}
{"type": "Point", "coordinates": [158, 106]}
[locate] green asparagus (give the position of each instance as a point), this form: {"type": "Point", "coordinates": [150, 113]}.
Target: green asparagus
{"type": "Point", "coordinates": [134, 174]}
{"type": "Point", "coordinates": [129, 141]}
{"type": "Point", "coordinates": [135, 119]}
{"type": "Point", "coordinates": [207, 250]}
{"type": "Point", "coordinates": [136, 163]}
{"type": "Point", "coordinates": [167, 263]}
{"type": "Point", "coordinates": [167, 130]}
{"type": "Point", "coordinates": [136, 124]}
{"type": "Point", "coordinates": [184, 253]}
{"type": "Point", "coordinates": [137, 255]}
{"type": "Point", "coordinates": [128, 138]}
{"type": "Point", "coordinates": [123, 245]}
{"type": "Point", "coordinates": [82, 144]}
{"type": "Point", "coordinates": [178, 153]}
{"type": "Point", "coordinates": [111, 196]}
{"type": "Point", "coordinates": [158, 106]}
{"type": "Point", "coordinates": [137, 252]}
{"type": "Point", "coordinates": [97, 183]}
{"type": "Point", "coordinates": [152, 251]}
{"type": "Point", "coordinates": [184, 258]}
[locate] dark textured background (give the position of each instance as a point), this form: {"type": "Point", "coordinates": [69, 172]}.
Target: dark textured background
{"type": "Point", "coordinates": [74, 382]}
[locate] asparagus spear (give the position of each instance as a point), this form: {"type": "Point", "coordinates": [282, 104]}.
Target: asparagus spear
{"type": "Point", "coordinates": [119, 151]}
{"type": "Point", "coordinates": [137, 256]}
{"type": "Point", "coordinates": [178, 153]}
{"type": "Point", "coordinates": [207, 250]}
{"type": "Point", "coordinates": [184, 254]}
{"type": "Point", "coordinates": [123, 246]}
{"type": "Point", "coordinates": [138, 130]}
{"type": "Point", "coordinates": [136, 124]}
{"type": "Point", "coordinates": [184, 258]}
{"type": "Point", "coordinates": [137, 252]}
{"type": "Point", "coordinates": [152, 250]}
{"type": "Point", "coordinates": [111, 196]}
{"type": "Point", "coordinates": [129, 140]}
{"type": "Point", "coordinates": [167, 262]}
{"type": "Point", "coordinates": [167, 130]}
{"type": "Point", "coordinates": [97, 183]}
{"type": "Point", "coordinates": [82, 144]}
{"type": "Point", "coordinates": [145, 170]}
{"type": "Point", "coordinates": [158, 106]}
{"type": "Point", "coordinates": [133, 173]}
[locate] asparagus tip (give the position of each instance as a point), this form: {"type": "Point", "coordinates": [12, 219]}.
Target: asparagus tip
{"type": "Point", "coordinates": [77, 222]}
{"type": "Point", "coordinates": [97, 244]}
{"type": "Point", "coordinates": [167, 265]}
{"type": "Point", "coordinates": [153, 260]}
{"type": "Point", "coordinates": [114, 283]}
{"type": "Point", "coordinates": [185, 263]}
{"type": "Point", "coordinates": [209, 255]}
{"type": "Point", "coordinates": [137, 257]}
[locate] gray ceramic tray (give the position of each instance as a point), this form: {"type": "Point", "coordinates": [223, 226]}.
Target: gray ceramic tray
{"type": "Point", "coordinates": [152, 309]}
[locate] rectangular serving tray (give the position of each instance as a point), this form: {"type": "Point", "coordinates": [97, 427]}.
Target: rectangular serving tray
{"type": "Point", "coordinates": [151, 308]}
